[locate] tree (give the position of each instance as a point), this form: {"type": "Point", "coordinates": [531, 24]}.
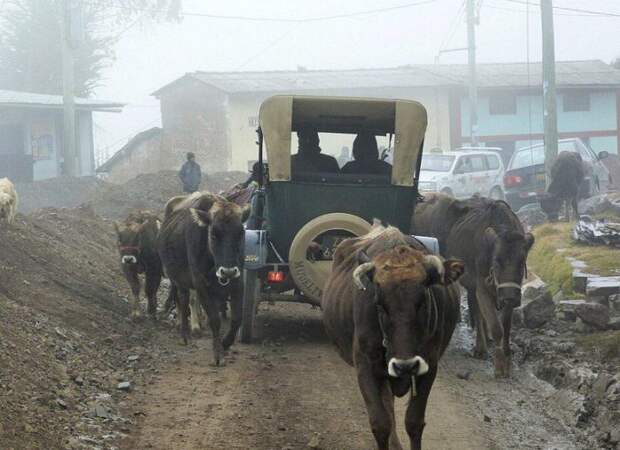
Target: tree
{"type": "Point", "coordinates": [30, 40]}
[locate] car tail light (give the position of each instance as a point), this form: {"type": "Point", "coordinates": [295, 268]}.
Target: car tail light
{"type": "Point", "coordinates": [512, 180]}
{"type": "Point", "coordinates": [275, 277]}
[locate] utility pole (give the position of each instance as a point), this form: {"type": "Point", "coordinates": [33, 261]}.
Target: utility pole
{"type": "Point", "coordinates": [473, 89]}
{"type": "Point", "coordinates": [68, 75]}
{"type": "Point", "coordinates": [549, 92]}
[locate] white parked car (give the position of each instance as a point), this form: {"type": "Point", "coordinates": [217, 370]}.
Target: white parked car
{"type": "Point", "coordinates": [463, 173]}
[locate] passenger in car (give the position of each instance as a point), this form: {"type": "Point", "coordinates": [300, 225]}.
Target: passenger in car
{"type": "Point", "coordinates": [309, 158]}
{"type": "Point", "coordinates": [366, 157]}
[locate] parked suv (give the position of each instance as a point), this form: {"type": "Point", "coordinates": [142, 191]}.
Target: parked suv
{"type": "Point", "coordinates": [463, 173]}
{"type": "Point", "coordinates": [525, 175]}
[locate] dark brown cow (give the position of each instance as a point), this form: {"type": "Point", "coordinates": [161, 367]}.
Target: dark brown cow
{"type": "Point", "coordinates": [489, 238]}
{"type": "Point", "coordinates": [567, 175]}
{"type": "Point", "coordinates": [391, 307]}
{"type": "Point", "coordinates": [201, 247]}
{"type": "Point", "coordinates": [137, 238]}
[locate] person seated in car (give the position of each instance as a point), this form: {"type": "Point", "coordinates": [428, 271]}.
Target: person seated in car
{"type": "Point", "coordinates": [366, 157]}
{"type": "Point", "coordinates": [309, 157]}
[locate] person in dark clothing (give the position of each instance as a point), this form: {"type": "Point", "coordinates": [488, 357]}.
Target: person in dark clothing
{"type": "Point", "coordinates": [190, 174]}
{"type": "Point", "coordinates": [309, 158]}
{"type": "Point", "coordinates": [366, 157]}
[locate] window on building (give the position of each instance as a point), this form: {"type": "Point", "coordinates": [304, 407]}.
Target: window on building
{"type": "Point", "coordinates": [502, 103]}
{"type": "Point", "coordinates": [253, 121]}
{"type": "Point", "coordinates": [576, 101]}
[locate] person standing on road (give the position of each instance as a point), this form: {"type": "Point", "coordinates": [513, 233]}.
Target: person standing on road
{"type": "Point", "coordinates": [190, 174]}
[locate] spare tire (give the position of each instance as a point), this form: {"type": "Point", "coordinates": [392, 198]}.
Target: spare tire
{"type": "Point", "coordinates": [311, 276]}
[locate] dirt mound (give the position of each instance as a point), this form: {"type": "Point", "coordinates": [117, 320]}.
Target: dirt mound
{"type": "Point", "coordinates": [152, 191]}
{"type": "Point", "coordinates": [64, 330]}
{"type": "Point", "coordinates": [64, 192]}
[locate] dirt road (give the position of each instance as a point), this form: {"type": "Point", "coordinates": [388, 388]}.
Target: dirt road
{"type": "Point", "coordinates": [290, 390]}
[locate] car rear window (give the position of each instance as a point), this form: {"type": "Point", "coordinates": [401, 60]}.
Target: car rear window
{"type": "Point", "coordinates": [437, 163]}
{"type": "Point", "coordinates": [493, 162]}
{"type": "Point", "coordinates": [528, 157]}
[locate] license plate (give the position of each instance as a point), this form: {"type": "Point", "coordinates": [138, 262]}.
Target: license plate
{"type": "Point", "coordinates": [540, 176]}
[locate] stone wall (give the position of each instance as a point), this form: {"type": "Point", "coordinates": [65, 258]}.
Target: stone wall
{"type": "Point", "coordinates": [144, 157]}
{"type": "Point", "coordinates": [194, 119]}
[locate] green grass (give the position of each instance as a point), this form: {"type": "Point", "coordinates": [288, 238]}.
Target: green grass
{"type": "Point", "coordinates": [606, 344]}
{"type": "Point", "coordinates": [554, 243]}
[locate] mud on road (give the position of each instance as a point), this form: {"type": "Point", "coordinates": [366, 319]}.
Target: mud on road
{"type": "Point", "coordinates": [290, 390]}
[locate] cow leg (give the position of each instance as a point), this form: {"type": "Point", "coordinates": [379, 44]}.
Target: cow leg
{"type": "Point", "coordinates": [414, 417]}
{"type": "Point", "coordinates": [506, 327]}
{"type": "Point", "coordinates": [171, 301]}
{"type": "Point", "coordinates": [381, 422]}
{"type": "Point", "coordinates": [211, 307]}
{"type": "Point", "coordinates": [486, 303]}
{"type": "Point", "coordinates": [388, 402]}
{"type": "Point", "coordinates": [575, 207]}
{"type": "Point", "coordinates": [236, 314]}
{"type": "Point", "coordinates": [133, 279]}
{"type": "Point", "coordinates": [480, 348]}
{"type": "Point", "coordinates": [153, 280]}
{"type": "Point", "coordinates": [183, 312]}
{"type": "Point", "coordinates": [194, 310]}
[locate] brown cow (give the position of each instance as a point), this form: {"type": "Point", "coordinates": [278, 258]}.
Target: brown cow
{"type": "Point", "coordinates": [490, 239]}
{"type": "Point", "coordinates": [201, 247]}
{"type": "Point", "coordinates": [391, 307]}
{"type": "Point", "coordinates": [137, 247]}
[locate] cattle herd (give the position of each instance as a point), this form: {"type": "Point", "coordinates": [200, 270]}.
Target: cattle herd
{"type": "Point", "coordinates": [390, 306]}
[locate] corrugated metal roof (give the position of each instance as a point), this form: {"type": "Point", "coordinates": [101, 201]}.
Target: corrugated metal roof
{"type": "Point", "coordinates": [568, 73]}
{"type": "Point", "coordinates": [19, 98]}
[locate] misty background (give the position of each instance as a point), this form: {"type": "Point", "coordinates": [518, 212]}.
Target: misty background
{"type": "Point", "coordinates": [150, 54]}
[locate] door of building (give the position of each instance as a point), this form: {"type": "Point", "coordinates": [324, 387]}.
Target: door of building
{"type": "Point", "coordinates": [14, 163]}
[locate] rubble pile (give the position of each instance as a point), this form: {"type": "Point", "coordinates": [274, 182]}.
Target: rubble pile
{"type": "Point", "coordinates": [151, 191]}
{"type": "Point", "coordinates": [597, 232]}
{"type": "Point", "coordinates": [64, 332]}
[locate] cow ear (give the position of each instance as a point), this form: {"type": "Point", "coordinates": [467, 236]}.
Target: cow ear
{"type": "Point", "coordinates": [453, 270]}
{"type": "Point", "coordinates": [245, 213]}
{"type": "Point", "coordinates": [529, 241]}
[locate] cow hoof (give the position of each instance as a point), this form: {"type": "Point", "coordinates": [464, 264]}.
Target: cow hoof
{"type": "Point", "coordinates": [196, 332]}
{"type": "Point", "coordinates": [502, 366]}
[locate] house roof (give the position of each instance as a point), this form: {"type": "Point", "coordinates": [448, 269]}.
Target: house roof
{"type": "Point", "coordinates": [568, 74]}
{"type": "Point", "coordinates": [129, 147]}
{"type": "Point", "coordinates": [31, 100]}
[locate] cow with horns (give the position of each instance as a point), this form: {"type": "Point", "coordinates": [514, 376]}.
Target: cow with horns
{"type": "Point", "coordinates": [201, 247]}
{"type": "Point", "coordinates": [390, 307]}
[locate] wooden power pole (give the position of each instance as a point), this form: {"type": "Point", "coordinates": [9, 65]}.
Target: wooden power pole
{"type": "Point", "coordinates": [68, 75]}
{"type": "Point", "coordinates": [549, 91]}
{"type": "Point", "coordinates": [473, 89]}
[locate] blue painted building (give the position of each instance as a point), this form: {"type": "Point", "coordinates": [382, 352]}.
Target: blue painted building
{"type": "Point", "coordinates": [510, 105]}
{"type": "Point", "coordinates": [31, 135]}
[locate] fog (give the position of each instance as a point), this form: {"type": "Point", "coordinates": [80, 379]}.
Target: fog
{"type": "Point", "coordinates": [150, 55]}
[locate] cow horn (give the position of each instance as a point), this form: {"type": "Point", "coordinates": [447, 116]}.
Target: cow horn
{"type": "Point", "coordinates": [361, 271]}
{"type": "Point", "coordinates": [434, 269]}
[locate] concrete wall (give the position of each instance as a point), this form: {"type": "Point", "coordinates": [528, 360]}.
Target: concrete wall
{"type": "Point", "coordinates": [242, 113]}
{"type": "Point", "coordinates": [143, 158]}
{"type": "Point", "coordinates": [194, 119]}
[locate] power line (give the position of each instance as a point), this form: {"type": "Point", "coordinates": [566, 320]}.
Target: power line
{"type": "Point", "coordinates": [453, 27]}
{"type": "Point", "coordinates": [563, 8]}
{"type": "Point", "coordinates": [280, 19]}
{"type": "Point", "coordinates": [536, 12]}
